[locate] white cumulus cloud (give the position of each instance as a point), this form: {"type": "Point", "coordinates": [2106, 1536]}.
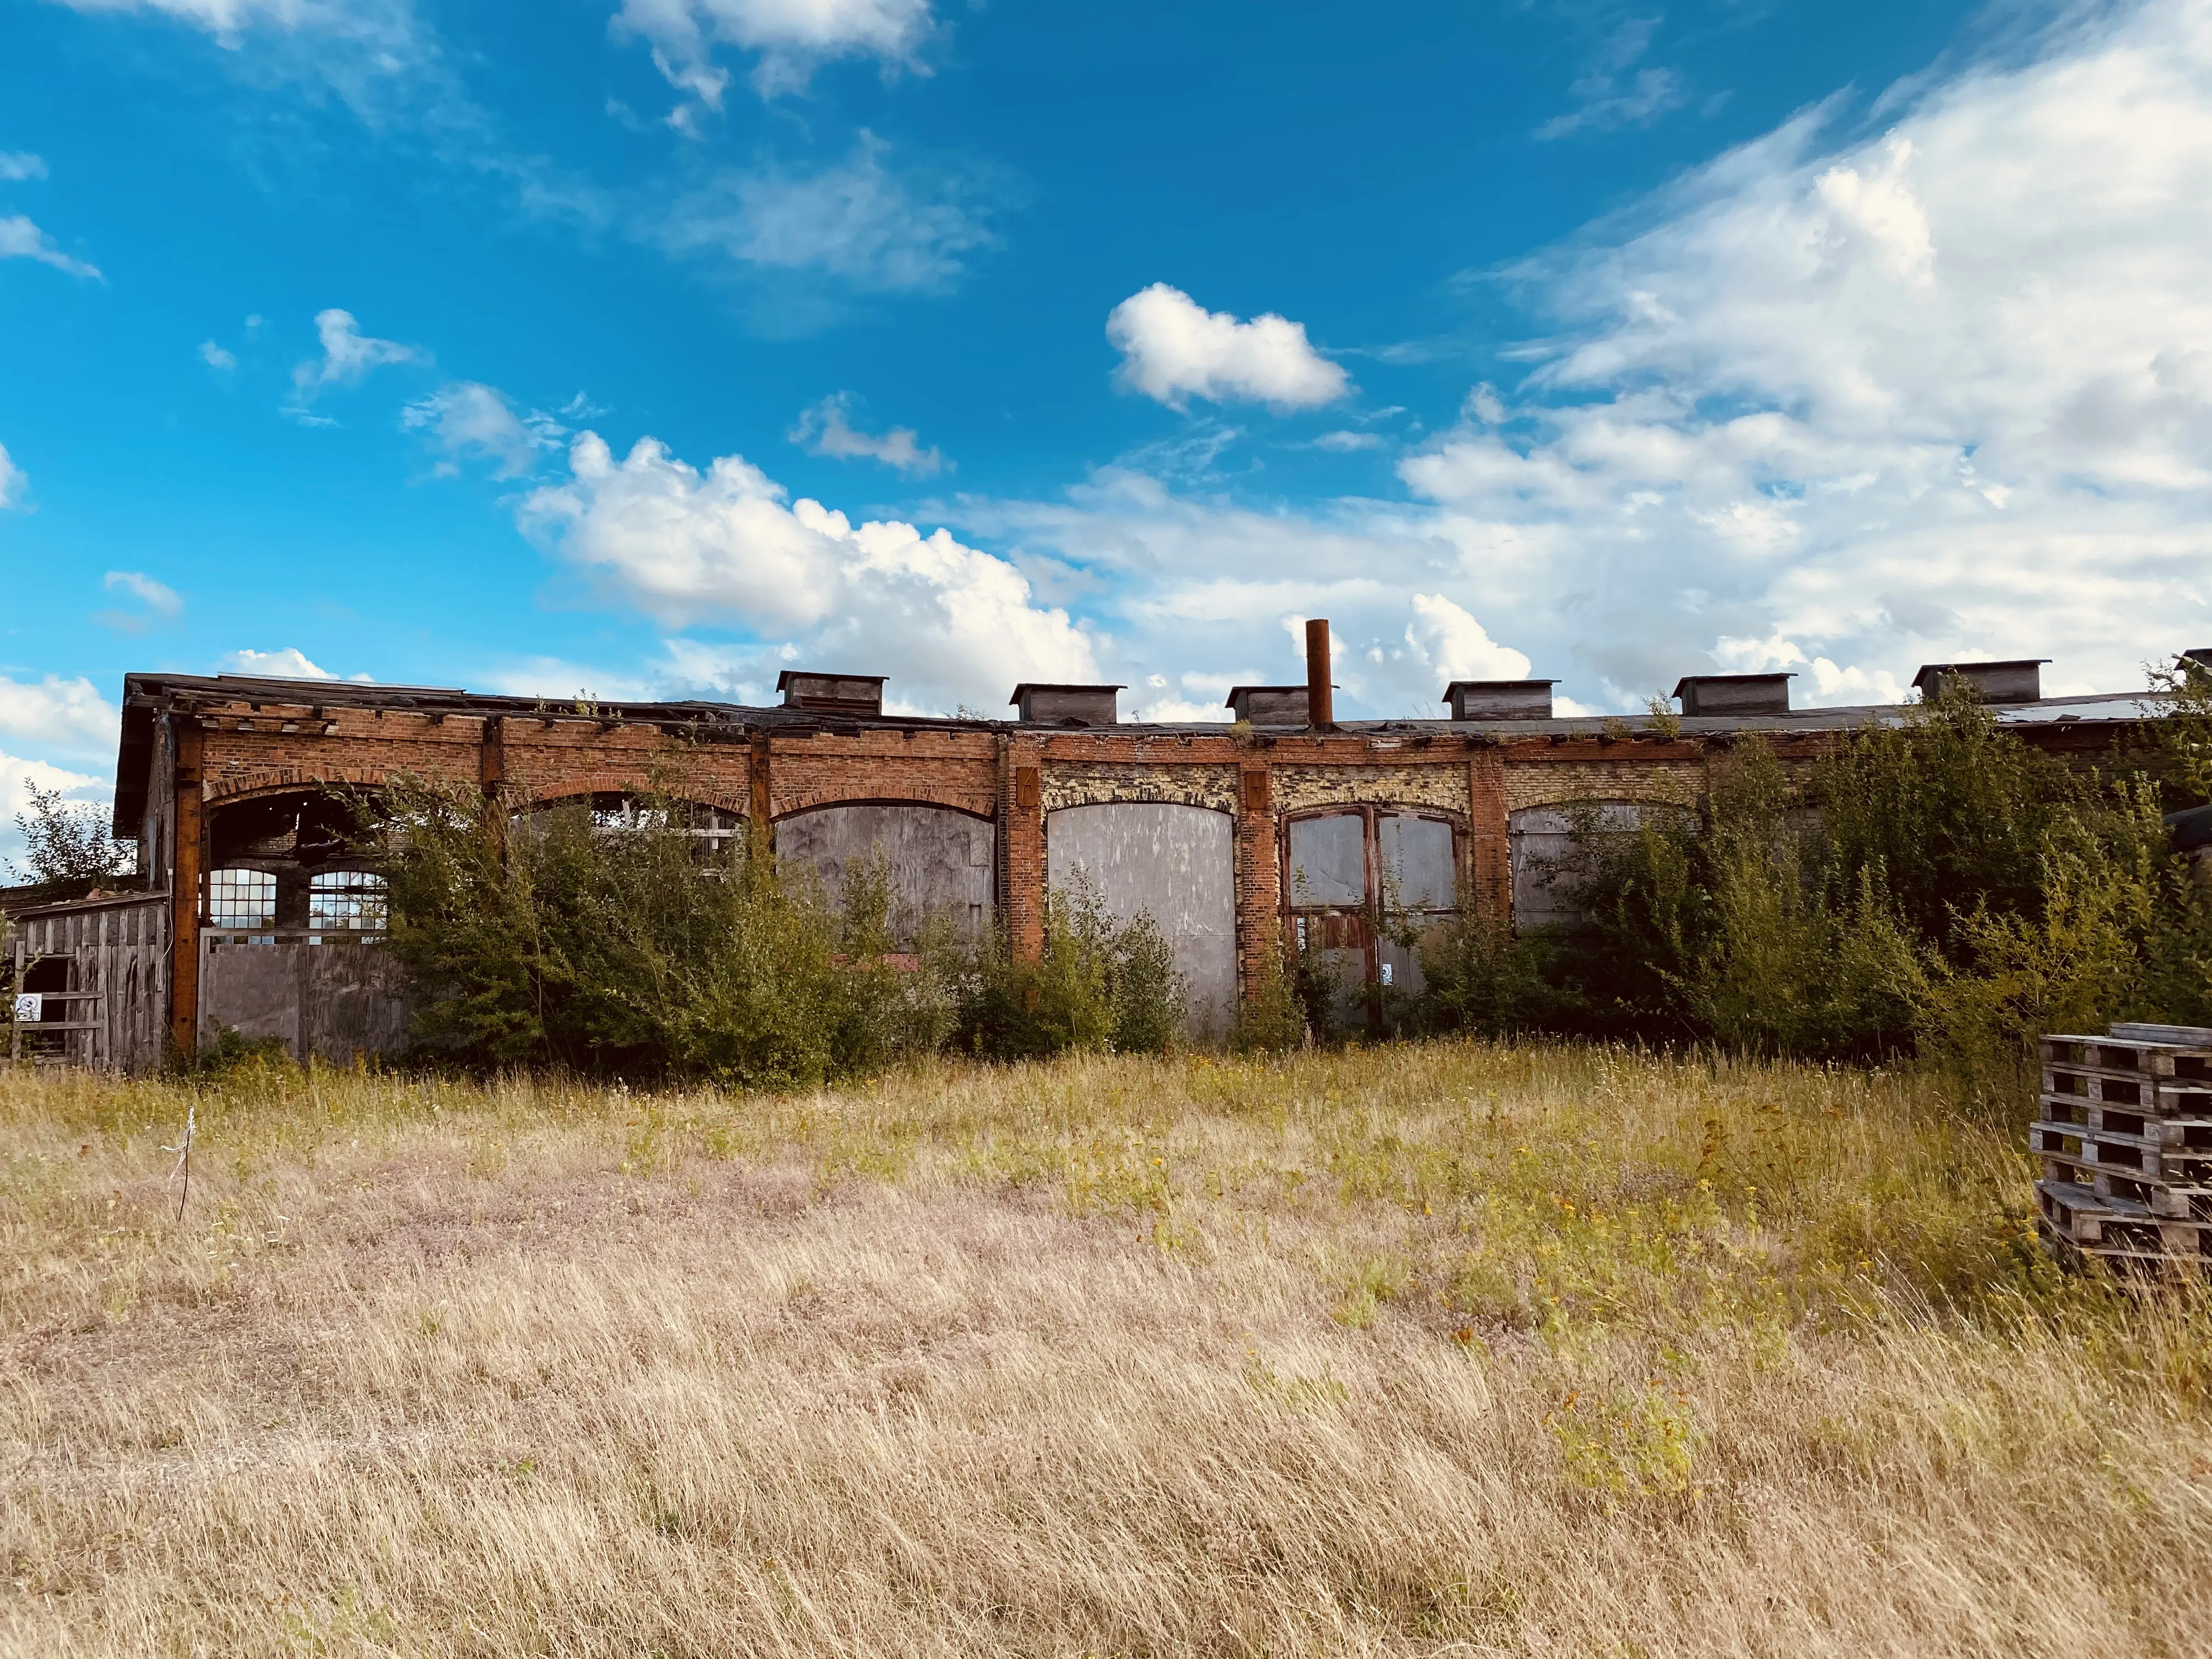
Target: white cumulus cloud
{"type": "Point", "coordinates": [221, 362]}
{"type": "Point", "coordinates": [1174, 349]}
{"type": "Point", "coordinates": [288, 664]}
{"type": "Point", "coordinates": [13, 482]}
{"type": "Point", "coordinates": [727, 547]}
{"type": "Point", "coordinates": [826, 428]}
{"type": "Point", "coordinates": [67, 716]}
{"type": "Point", "coordinates": [21, 164]}
{"type": "Point", "coordinates": [1940, 392]}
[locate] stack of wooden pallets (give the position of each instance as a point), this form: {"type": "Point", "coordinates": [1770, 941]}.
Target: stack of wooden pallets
{"type": "Point", "coordinates": [2125, 1136]}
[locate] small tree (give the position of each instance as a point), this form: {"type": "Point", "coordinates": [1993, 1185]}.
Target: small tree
{"type": "Point", "coordinates": [68, 841]}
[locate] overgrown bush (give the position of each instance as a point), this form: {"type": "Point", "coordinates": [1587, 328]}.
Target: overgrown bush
{"type": "Point", "coordinates": [552, 940]}
{"type": "Point", "coordinates": [1938, 887]}
{"type": "Point", "coordinates": [1098, 985]}
{"type": "Point", "coordinates": [555, 940]}
{"type": "Point", "coordinates": [1272, 1018]}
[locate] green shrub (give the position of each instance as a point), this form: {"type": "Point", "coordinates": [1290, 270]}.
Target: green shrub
{"type": "Point", "coordinates": [1098, 985]}
{"type": "Point", "coordinates": [1272, 1017]}
{"type": "Point", "coordinates": [553, 940]}
{"type": "Point", "coordinates": [1938, 888]}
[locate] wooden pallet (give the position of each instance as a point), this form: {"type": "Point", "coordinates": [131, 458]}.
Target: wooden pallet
{"type": "Point", "coordinates": [2135, 1266]}
{"type": "Point", "coordinates": [2124, 1136]}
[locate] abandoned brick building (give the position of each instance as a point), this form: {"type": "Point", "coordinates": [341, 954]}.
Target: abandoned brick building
{"type": "Point", "coordinates": [1226, 834]}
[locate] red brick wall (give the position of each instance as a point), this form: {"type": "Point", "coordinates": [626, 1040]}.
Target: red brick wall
{"type": "Point", "coordinates": [522, 758]}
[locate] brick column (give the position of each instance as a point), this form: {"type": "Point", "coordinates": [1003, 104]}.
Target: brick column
{"type": "Point", "coordinates": [1489, 863]}
{"type": "Point", "coordinates": [1021, 844]}
{"type": "Point", "coordinates": [760, 828]}
{"type": "Point", "coordinates": [1259, 878]}
{"type": "Point", "coordinates": [187, 864]}
{"type": "Point", "coordinates": [491, 756]}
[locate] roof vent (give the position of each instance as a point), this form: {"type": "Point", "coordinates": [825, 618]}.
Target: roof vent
{"type": "Point", "coordinates": [1066, 705]}
{"type": "Point", "coordinates": [1500, 700]}
{"type": "Point", "coordinates": [1734, 694]}
{"type": "Point", "coordinates": [2018, 681]}
{"type": "Point", "coordinates": [832, 694]}
{"type": "Point", "coordinates": [1269, 705]}
{"type": "Point", "coordinates": [2197, 661]}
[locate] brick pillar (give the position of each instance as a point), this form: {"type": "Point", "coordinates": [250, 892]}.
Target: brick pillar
{"type": "Point", "coordinates": [760, 822]}
{"type": "Point", "coordinates": [1021, 844]}
{"type": "Point", "coordinates": [1489, 864]}
{"type": "Point", "coordinates": [491, 756]}
{"type": "Point", "coordinates": [1259, 878]}
{"type": "Point", "coordinates": [186, 868]}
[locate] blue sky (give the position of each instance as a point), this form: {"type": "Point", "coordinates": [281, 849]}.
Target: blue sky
{"type": "Point", "coordinates": [649, 346]}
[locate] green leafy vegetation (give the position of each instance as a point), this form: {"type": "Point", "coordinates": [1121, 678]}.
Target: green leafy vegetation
{"type": "Point", "coordinates": [647, 951]}
{"type": "Point", "coordinates": [1937, 888]}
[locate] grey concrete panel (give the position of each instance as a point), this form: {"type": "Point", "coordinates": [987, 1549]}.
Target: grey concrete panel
{"type": "Point", "coordinates": [254, 990]}
{"type": "Point", "coordinates": [942, 862]}
{"type": "Point", "coordinates": [1176, 863]}
{"type": "Point", "coordinates": [1417, 869]}
{"type": "Point", "coordinates": [1541, 842]}
{"type": "Point", "coordinates": [329, 1000]}
{"type": "Point", "coordinates": [355, 1001]}
{"type": "Point", "coordinates": [1328, 860]}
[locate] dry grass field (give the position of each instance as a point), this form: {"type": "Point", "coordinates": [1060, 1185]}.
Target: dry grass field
{"type": "Point", "coordinates": [1446, 1349]}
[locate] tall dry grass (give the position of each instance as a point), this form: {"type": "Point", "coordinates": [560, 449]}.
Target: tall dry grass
{"type": "Point", "coordinates": [1440, 1349]}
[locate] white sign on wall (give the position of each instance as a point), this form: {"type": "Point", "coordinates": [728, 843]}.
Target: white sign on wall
{"type": "Point", "coordinates": [30, 1006]}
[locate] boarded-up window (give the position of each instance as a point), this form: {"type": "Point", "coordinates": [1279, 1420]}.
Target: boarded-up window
{"type": "Point", "coordinates": [1541, 841]}
{"type": "Point", "coordinates": [940, 863]}
{"type": "Point", "coordinates": [1328, 861]}
{"type": "Point", "coordinates": [1176, 864]}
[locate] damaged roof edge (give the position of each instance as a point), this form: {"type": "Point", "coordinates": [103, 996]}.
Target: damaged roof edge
{"type": "Point", "coordinates": [146, 695]}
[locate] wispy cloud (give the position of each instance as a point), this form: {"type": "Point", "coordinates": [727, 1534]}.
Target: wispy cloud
{"type": "Point", "coordinates": [874, 227]}
{"type": "Point", "coordinates": [21, 239]}
{"type": "Point", "coordinates": [468, 420]}
{"type": "Point", "coordinates": [348, 358]}
{"type": "Point", "coordinates": [825, 428]}
{"type": "Point", "coordinates": [216, 358]}
{"type": "Point", "coordinates": [1614, 93]}
{"type": "Point", "coordinates": [787, 40]}
{"type": "Point", "coordinates": [162, 603]}
{"type": "Point", "coordinates": [21, 164]}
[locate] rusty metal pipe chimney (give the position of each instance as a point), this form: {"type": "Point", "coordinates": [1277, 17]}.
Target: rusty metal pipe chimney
{"type": "Point", "coordinates": [1320, 713]}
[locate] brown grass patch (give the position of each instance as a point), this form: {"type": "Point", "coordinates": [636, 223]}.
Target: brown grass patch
{"type": "Point", "coordinates": [1439, 1349]}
